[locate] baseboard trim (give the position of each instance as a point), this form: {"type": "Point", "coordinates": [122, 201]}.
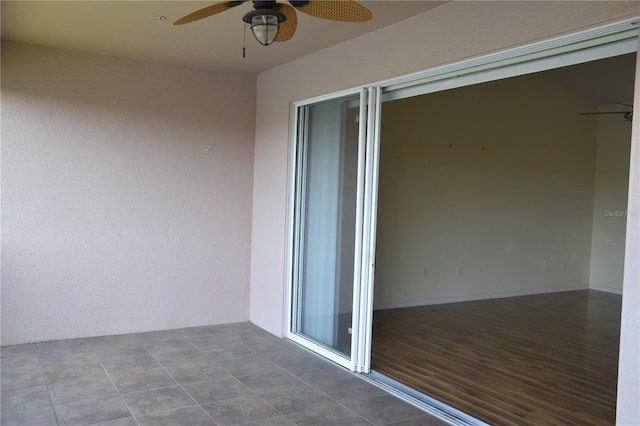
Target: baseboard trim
{"type": "Point", "coordinates": [617, 291]}
{"type": "Point", "coordinates": [502, 295]}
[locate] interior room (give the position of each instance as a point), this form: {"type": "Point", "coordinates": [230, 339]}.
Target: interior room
{"type": "Point", "coordinates": [500, 243]}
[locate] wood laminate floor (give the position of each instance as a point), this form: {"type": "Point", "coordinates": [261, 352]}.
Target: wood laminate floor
{"type": "Point", "coordinates": [544, 359]}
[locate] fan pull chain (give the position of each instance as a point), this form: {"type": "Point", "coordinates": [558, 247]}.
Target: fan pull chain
{"type": "Point", "coordinates": [244, 42]}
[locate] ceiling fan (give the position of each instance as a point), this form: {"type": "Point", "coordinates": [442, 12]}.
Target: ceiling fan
{"type": "Point", "coordinates": [273, 21]}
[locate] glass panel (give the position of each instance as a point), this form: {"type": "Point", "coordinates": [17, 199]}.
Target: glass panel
{"type": "Point", "coordinates": [325, 222]}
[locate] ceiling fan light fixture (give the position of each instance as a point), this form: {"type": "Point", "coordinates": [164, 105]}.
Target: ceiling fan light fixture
{"type": "Point", "coordinates": [265, 28]}
{"type": "Point", "coordinates": [265, 24]}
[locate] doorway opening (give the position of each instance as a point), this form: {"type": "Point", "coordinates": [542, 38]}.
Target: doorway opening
{"type": "Point", "coordinates": [500, 243]}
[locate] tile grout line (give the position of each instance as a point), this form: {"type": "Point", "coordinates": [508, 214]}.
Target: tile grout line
{"type": "Point", "coordinates": [179, 384]}
{"type": "Point", "coordinates": [115, 387]}
{"type": "Point", "coordinates": [339, 403]}
{"type": "Point", "coordinates": [281, 368]}
{"type": "Point", "coordinates": [240, 382]}
{"type": "Point", "coordinates": [312, 387]}
{"type": "Point", "coordinates": [324, 393]}
{"type": "Point", "coordinates": [251, 390]}
{"type": "Point", "coordinates": [46, 382]}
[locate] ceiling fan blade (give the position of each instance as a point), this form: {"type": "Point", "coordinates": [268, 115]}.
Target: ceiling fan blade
{"type": "Point", "coordinates": [335, 10]}
{"type": "Point", "coordinates": [288, 27]}
{"type": "Point", "coordinates": [205, 12]}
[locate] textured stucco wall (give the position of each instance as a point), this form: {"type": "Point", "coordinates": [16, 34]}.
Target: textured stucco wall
{"type": "Point", "coordinates": [126, 195]}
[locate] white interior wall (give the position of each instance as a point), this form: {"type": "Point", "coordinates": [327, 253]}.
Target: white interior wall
{"type": "Point", "coordinates": [126, 195]}
{"type": "Point", "coordinates": [485, 191]}
{"type": "Point", "coordinates": [610, 200]}
{"type": "Point", "coordinates": [446, 34]}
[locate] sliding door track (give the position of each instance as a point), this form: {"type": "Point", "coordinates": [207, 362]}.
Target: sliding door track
{"type": "Point", "coordinates": [422, 401]}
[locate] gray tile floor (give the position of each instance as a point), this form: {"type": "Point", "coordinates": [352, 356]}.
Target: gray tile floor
{"type": "Point", "coordinates": [218, 375]}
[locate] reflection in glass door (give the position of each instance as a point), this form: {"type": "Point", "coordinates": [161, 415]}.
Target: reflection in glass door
{"type": "Point", "coordinates": [324, 224]}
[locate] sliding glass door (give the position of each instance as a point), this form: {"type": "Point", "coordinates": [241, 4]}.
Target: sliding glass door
{"type": "Point", "coordinates": [327, 219]}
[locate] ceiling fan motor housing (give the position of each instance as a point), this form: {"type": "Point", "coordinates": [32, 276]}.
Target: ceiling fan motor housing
{"type": "Point", "coordinates": [264, 8]}
{"type": "Point", "coordinates": [258, 12]}
{"type": "Point", "coordinates": [265, 4]}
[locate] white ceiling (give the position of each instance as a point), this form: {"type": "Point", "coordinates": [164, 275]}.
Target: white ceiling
{"type": "Point", "coordinates": [130, 29]}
